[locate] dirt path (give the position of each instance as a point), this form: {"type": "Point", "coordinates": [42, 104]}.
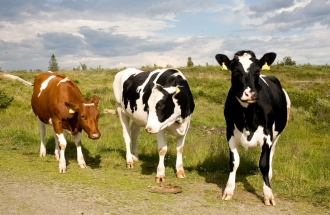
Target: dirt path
{"type": "Point", "coordinates": [19, 196]}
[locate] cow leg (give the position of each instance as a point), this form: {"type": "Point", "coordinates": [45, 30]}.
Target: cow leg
{"type": "Point", "coordinates": [265, 168]}
{"type": "Point", "coordinates": [162, 149]}
{"type": "Point", "coordinates": [42, 131]}
{"type": "Point", "coordinates": [62, 144]}
{"type": "Point", "coordinates": [179, 163]}
{"type": "Point", "coordinates": [124, 120]}
{"type": "Point", "coordinates": [57, 148]}
{"type": "Point", "coordinates": [268, 194]}
{"type": "Point", "coordinates": [135, 131]}
{"type": "Point", "coordinates": [80, 156]}
{"type": "Point", "coordinates": [234, 163]}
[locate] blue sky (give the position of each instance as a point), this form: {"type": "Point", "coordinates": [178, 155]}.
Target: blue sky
{"type": "Point", "coordinates": [127, 33]}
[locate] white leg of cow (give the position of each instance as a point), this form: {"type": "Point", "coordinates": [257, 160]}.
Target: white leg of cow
{"type": "Point", "coordinates": [135, 131]}
{"type": "Point", "coordinates": [62, 162]}
{"type": "Point", "coordinates": [57, 148]}
{"type": "Point", "coordinates": [162, 149]}
{"type": "Point", "coordinates": [80, 156]}
{"type": "Point", "coordinates": [124, 120]}
{"type": "Point", "coordinates": [179, 163]}
{"type": "Point", "coordinates": [42, 131]}
{"type": "Point", "coordinates": [234, 163]}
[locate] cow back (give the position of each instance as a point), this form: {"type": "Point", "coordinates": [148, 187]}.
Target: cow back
{"type": "Point", "coordinates": [51, 92]}
{"type": "Point", "coordinates": [133, 88]}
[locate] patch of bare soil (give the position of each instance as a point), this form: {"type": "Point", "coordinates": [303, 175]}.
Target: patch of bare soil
{"type": "Point", "coordinates": [19, 196]}
{"type": "Point", "coordinates": [166, 188]}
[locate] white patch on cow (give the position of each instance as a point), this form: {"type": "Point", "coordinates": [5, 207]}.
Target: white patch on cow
{"type": "Point", "coordinates": [62, 144]}
{"type": "Point", "coordinates": [177, 73]}
{"type": "Point", "coordinates": [243, 104]}
{"type": "Point", "coordinates": [245, 61]}
{"type": "Point", "coordinates": [262, 78]}
{"type": "Point", "coordinates": [257, 139]}
{"type": "Point", "coordinates": [138, 89]}
{"type": "Point", "coordinates": [268, 193]}
{"type": "Point", "coordinates": [275, 133]}
{"type": "Point", "coordinates": [170, 90]}
{"type": "Point", "coordinates": [50, 121]}
{"type": "Point", "coordinates": [63, 80]}
{"type": "Point", "coordinates": [61, 139]}
{"type": "Point", "coordinates": [42, 131]}
{"type": "Point", "coordinates": [88, 104]}
{"type": "Point", "coordinates": [288, 101]}
{"type": "Point", "coordinates": [45, 83]}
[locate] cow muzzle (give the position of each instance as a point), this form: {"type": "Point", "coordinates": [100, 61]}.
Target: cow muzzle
{"type": "Point", "coordinates": [249, 97]}
{"type": "Point", "coordinates": [151, 129]}
{"type": "Point", "coordinates": [94, 136]}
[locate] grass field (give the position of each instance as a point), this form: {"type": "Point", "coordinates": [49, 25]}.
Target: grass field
{"type": "Point", "coordinates": [301, 167]}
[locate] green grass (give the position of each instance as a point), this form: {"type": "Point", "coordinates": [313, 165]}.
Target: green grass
{"type": "Point", "coordinates": [301, 162]}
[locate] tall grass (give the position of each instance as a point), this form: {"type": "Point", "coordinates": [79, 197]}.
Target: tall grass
{"type": "Point", "coordinates": [301, 162]}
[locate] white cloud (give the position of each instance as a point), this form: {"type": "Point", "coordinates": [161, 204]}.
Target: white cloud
{"type": "Point", "coordinates": [135, 33]}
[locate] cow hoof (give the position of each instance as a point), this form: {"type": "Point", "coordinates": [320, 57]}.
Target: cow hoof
{"type": "Point", "coordinates": [135, 158]}
{"type": "Point", "coordinates": [227, 197]}
{"type": "Point", "coordinates": [160, 179]}
{"type": "Point", "coordinates": [42, 154]}
{"type": "Point", "coordinates": [82, 166]}
{"type": "Point", "coordinates": [270, 202]}
{"type": "Point", "coordinates": [62, 170]}
{"type": "Point", "coordinates": [180, 174]}
{"type": "Point", "coordinates": [129, 165]}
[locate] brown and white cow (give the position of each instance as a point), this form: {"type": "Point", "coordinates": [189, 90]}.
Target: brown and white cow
{"type": "Point", "coordinates": [57, 100]}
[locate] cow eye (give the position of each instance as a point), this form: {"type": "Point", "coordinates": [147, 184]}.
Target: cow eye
{"type": "Point", "coordinates": [160, 106]}
{"type": "Point", "coordinates": [83, 116]}
{"type": "Point", "coordinates": [236, 73]}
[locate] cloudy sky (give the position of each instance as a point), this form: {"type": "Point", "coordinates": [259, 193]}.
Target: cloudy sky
{"type": "Point", "coordinates": [135, 33]}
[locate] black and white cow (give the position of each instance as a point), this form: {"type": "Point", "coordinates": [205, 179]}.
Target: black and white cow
{"type": "Point", "coordinates": [159, 101]}
{"type": "Point", "coordinates": [256, 112]}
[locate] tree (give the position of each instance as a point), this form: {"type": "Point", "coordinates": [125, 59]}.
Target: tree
{"type": "Point", "coordinates": [287, 61]}
{"type": "Point", "coordinates": [190, 63]}
{"type": "Point", "coordinates": [53, 66]}
{"type": "Point", "coordinates": [83, 66]}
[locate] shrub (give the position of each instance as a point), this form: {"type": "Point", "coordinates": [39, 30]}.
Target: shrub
{"type": "Point", "coordinates": [5, 100]}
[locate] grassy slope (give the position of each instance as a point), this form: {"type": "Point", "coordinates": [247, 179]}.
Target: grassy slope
{"type": "Point", "coordinates": [301, 162]}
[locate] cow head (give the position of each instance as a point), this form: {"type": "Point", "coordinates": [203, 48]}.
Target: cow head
{"type": "Point", "coordinates": [163, 108]}
{"type": "Point", "coordinates": [245, 68]}
{"type": "Point", "coordinates": [87, 116]}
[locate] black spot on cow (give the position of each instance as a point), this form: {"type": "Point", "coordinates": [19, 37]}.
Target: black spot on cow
{"type": "Point", "coordinates": [130, 89]}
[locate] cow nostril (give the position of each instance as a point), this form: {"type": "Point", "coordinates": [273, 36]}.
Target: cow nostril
{"type": "Point", "coordinates": [95, 136]}
{"type": "Point", "coordinates": [148, 129]}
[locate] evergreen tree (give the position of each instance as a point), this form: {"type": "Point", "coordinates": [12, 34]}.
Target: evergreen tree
{"type": "Point", "coordinates": [190, 63]}
{"type": "Point", "coordinates": [53, 66]}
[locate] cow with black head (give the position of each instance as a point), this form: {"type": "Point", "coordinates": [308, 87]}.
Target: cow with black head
{"type": "Point", "coordinates": [256, 112]}
{"type": "Point", "coordinates": [159, 101]}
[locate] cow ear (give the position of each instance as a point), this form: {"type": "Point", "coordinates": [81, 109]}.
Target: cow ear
{"type": "Point", "coordinates": [95, 100]}
{"type": "Point", "coordinates": [72, 107]}
{"type": "Point", "coordinates": [223, 60]}
{"type": "Point", "coordinates": [268, 58]}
